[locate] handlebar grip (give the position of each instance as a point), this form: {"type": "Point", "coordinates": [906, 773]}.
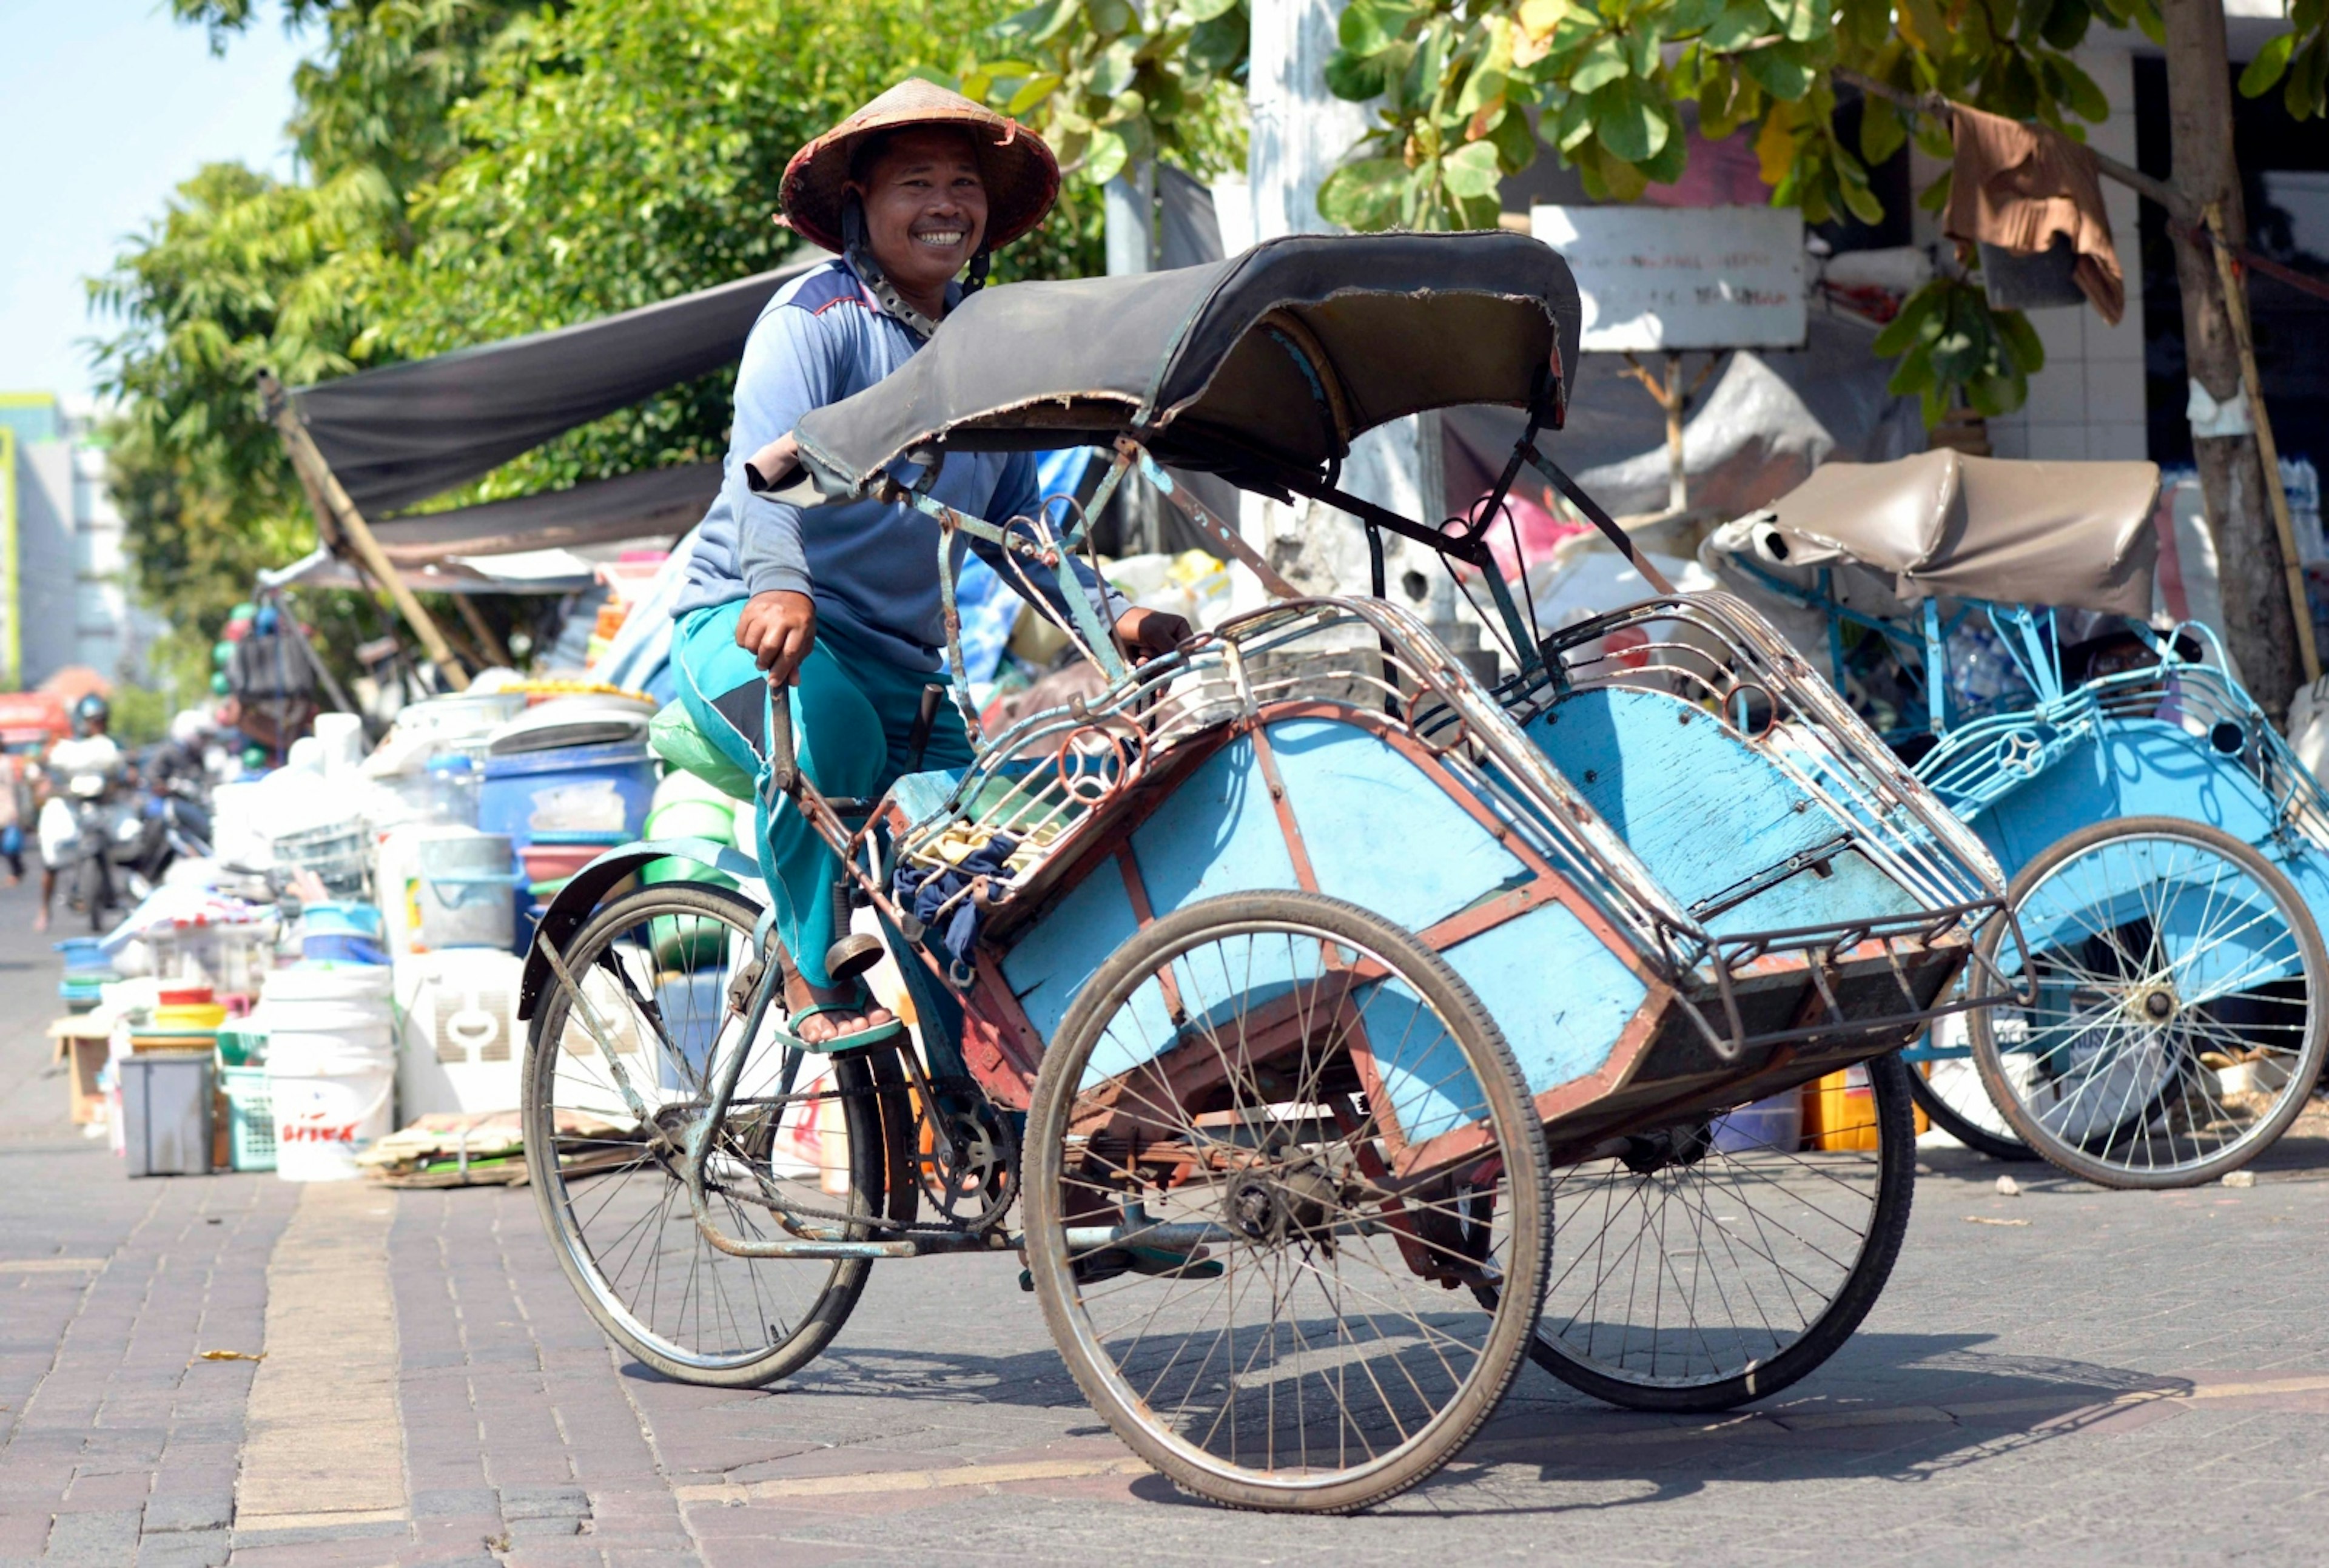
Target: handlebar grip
{"type": "Point", "coordinates": [778, 730]}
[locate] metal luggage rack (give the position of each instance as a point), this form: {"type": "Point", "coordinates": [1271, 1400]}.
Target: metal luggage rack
{"type": "Point", "coordinates": [1987, 758]}
{"type": "Point", "coordinates": [1711, 650]}
{"type": "Point", "coordinates": [1047, 779]}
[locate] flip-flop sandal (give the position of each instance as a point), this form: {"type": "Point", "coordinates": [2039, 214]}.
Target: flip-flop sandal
{"type": "Point", "coordinates": [788, 1032]}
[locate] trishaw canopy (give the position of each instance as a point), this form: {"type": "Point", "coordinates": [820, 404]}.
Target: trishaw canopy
{"type": "Point", "coordinates": [2075, 535]}
{"type": "Point", "coordinates": [1275, 359]}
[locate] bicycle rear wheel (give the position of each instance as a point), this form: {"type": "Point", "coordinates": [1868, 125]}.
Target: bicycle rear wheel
{"type": "Point", "coordinates": [1717, 1261]}
{"type": "Point", "coordinates": [657, 966]}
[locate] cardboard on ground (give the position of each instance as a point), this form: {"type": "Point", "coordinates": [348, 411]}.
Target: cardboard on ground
{"type": "Point", "coordinates": [1655, 279]}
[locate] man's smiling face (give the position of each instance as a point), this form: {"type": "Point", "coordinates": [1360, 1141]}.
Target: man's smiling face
{"type": "Point", "coordinates": [925, 208]}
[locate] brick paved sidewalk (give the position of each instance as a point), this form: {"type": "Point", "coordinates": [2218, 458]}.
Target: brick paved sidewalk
{"type": "Point", "coordinates": [2123, 1376]}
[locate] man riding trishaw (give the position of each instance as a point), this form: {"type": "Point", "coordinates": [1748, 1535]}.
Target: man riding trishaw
{"type": "Point", "coordinates": [837, 607]}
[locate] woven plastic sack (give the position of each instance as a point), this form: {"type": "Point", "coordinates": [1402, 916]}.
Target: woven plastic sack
{"type": "Point", "coordinates": [674, 737]}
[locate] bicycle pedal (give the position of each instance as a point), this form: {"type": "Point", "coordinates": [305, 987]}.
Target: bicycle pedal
{"type": "Point", "coordinates": [1158, 1263]}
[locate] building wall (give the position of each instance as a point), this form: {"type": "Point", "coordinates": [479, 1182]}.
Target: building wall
{"type": "Point", "coordinates": [45, 574]}
{"type": "Point", "coordinates": [2088, 401]}
{"type": "Point", "coordinates": [72, 604]}
{"type": "Point", "coordinates": [108, 632]}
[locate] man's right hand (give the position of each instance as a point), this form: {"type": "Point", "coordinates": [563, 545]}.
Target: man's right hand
{"type": "Point", "coordinates": [777, 628]}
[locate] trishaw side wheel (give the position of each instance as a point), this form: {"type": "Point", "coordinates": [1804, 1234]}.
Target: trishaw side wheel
{"type": "Point", "coordinates": [1950, 1090]}
{"type": "Point", "coordinates": [657, 966]}
{"type": "Point", "coordinates": [1719, 1261]}
{"type": "Point", "coordinates": [1261, 1268]}
{"type": "Point", "coordinates": [2178, 1024]}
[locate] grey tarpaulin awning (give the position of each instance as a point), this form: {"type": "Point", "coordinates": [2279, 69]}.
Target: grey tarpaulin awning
{"type": "Point", "coordinates": [405, 432]}
{"type": "Point", "coordinates": [530, 571]}
{"type": "Point", "coordinates": [664, 503]}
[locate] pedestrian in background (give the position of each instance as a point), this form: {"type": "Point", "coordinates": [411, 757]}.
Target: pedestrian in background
{"type": "Point", "coordinates": [15, 807]}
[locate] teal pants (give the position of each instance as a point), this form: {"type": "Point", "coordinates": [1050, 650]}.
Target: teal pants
{"type": "Point", "coordinates": [852, 718]}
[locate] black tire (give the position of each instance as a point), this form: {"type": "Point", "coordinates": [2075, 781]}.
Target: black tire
{"type": "Point", "coordinates": [1280, 1182]}
{"type": "Point", "coordinates": [1992, 1141]}
{"type": "Point", "coordinates": [1792, 1272]}
{"type": "Point", "coordinates": [735, 1336]}
{"type": "Point", "coordinates": [2128, 1100]}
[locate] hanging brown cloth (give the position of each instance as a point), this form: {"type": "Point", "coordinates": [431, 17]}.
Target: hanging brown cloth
{"type": "Point", "coordinates": [2019, 187]}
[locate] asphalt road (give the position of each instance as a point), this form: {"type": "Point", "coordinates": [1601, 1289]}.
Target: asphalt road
{"type": "Point", "coordinates": [2069, 1375]}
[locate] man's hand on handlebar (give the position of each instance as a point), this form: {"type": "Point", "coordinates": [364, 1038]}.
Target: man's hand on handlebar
{"type": "Point", "coordinates": [777, 628]}
{"type": "Point", "coordinates": [1147, 633]}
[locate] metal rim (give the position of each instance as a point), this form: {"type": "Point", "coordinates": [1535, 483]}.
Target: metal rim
{"type": "Point", "coordinates": [615, 1205]}
{"type": "Point", "coordinates": [2178, 1028]}
{"type": "Point", "coordinates": [1302, 1300]}
{"type": "Point", "coordinates": [1703, 1265]}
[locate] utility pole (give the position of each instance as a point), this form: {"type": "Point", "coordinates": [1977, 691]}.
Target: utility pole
{"type": "Point", "coordinates": [1297, 133]}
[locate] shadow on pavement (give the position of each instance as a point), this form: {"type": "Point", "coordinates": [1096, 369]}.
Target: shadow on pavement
{"type": "Point", "coordinates": [1903, 1407]}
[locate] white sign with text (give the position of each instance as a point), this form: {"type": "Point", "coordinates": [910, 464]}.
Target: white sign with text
{"type": "Point", "coordinates": [1655, 279]}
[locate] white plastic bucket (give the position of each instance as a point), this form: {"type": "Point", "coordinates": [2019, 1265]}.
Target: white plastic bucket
{"type": "Point", "coordinates": [326, 998]}
{"type": "Point", "coordinates": [324, 1121]}
{"type": "Point", "coordinates": [464, 892]}
{"type": "Point", "coordinates": [331, 1066]}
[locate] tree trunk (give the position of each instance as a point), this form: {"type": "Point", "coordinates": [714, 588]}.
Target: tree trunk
{"type": "Point", "coordinates": [2259, 623]}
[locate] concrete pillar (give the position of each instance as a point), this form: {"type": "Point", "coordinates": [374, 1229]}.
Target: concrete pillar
{"type": "Point", "coordinates": [1130, 210]}
{"type": "Point", "coordinates": [1298, 132]}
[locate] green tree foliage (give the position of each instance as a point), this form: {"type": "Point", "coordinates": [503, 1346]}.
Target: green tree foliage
{"type": "Point", "coordinates": [475, 170]}
{"type": "Point", "coordinates": [1468, 89]}
{"type": "Point", "coordinates": [2297, 62]}
{"type": "Point", "coordinates": [242, 272]}
{"type": "Point", "coordinates": [375, 93]}
{"type": "Point", "coordinates": [1107, 82]}
{"type": "Point", "coordinates": [624, 152]}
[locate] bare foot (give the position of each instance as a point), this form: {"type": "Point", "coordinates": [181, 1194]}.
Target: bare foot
{"type": "Point", "coordinates": [799, 994]}
{"type": "Point", "coordinates": [41, 919]}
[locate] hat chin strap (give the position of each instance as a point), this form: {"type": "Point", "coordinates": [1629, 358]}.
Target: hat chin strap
{"type": "Point", "coordinates": [859, 250]}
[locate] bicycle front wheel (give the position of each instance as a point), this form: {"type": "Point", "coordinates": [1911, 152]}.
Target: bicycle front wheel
{"type": "Point", "coordinates": [657, 967]}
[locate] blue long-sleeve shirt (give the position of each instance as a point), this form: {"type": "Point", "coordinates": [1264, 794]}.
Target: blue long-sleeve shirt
{"type": "Point", "coordinates": [872, 568]}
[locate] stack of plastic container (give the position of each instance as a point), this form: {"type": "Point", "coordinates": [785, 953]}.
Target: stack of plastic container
{"type": "Point", "coordinates": [566, 781]}
{"type": "Point", "coordinates": [86, 970]}
{"type": "Point", "coordinates": [331, 1065]}
{"type": "Point", "coordinates": [233, 956]}
{"type": "Point", "coordinates": [166, 1083]}
{"type": "Point", "coordinates": [242, 1082]}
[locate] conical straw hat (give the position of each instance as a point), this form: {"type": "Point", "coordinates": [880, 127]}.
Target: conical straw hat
{"type": "Point", "coordinates": [1022, 177]}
